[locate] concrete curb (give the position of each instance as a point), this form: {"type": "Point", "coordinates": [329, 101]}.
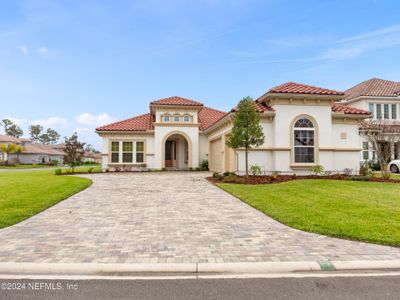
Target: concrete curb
{"type": "Point", "coordinates": [197, 268]}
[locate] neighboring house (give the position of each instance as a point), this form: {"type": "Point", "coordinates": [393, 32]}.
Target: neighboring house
{"type": "Point", "coordinates": [91, 157]}
{"type": "Point", "coordinates": [382, 99]}
{"type": "Point", "coordinates": [303, 127]}
{"type": "Point", "coordinates": [33, 153]}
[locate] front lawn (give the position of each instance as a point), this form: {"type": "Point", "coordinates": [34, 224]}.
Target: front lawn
{"type": "Point", "coordinates": [26, 193]}
{"type": "Point", "coordinates": [364, 211]}
{"type": "Point", "coordinates": [26, 167]}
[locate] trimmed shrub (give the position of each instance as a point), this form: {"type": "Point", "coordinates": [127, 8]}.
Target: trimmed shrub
{"type": "Point", "coordinates": [317, 170]}
{"type": "Point", "coordinates": [58, 171]}
{"type": "Point", "coordinates": [204, 165]}
{"type": "Point", "coordinates": [255, 170]}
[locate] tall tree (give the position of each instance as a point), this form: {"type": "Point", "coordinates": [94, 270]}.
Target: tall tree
{"type": "Point", "coordinates": [74, 151]}
{"type": "Point", "coordinates": [11, 129]}
{"type": "Point", "coordinates": [52, 135]}
{"type": "Point", "coordinates": [246, 131]}
{"type": "Point", "coordinates": [35, 131]}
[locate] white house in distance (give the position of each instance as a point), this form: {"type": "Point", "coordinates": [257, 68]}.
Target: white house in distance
{"type": "Point", "coordinates": [303, 126]}
{"type": "Point", "coordinates": [382, 99]}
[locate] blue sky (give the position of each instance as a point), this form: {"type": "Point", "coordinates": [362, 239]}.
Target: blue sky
{"type": "Point", "coordinates": [73, 65]}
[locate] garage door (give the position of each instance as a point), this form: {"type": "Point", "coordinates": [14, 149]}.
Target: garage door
{"type": "Point", "coordinates": [215, 156]}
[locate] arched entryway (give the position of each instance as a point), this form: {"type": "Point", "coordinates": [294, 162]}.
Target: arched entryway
{"type": "Point", "coordinates": [177, 151]}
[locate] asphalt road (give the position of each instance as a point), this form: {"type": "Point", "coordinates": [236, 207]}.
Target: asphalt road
{"type": "Point", "coordinates": [254, 288]}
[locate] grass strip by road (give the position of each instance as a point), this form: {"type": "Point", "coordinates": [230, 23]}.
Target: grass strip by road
{"type": "Point", "coordinates": [362, 211]}
{"type": "Point", "coordinates": [26, 193]}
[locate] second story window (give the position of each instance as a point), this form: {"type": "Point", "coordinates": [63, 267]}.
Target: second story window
{"type": "Point", "coordinates": [371, 107]}
{"type": "Point", "coordinates": [186, 118]}
{"type": "Point", "coordinates": [386, 111]}
{"type": "Point", "coordinates": [394, 111]}
{"type": "Point", "coordinates": [166, 118]}
{"type": "Point", "coordinates": [379, 111]}
{"type": "Point", "coordinates": [176, 118]}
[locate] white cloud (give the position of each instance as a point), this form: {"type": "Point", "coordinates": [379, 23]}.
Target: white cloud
{"type": "Point", "coordinates": [23, 49]}
{"type": "Point", "coordinates": [93, 120]}
{"type": "Point", "coordinates": [372, 34]}
{"type": "Point", "coordinates": [43, 51]}
{"type": "Point", "coordinates": [52, 121]}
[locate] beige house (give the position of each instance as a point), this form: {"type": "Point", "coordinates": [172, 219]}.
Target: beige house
{"type": "Point", "coordinates": [303, 126]}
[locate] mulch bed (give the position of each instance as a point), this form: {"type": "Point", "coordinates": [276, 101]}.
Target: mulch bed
{"type": "Point", "coordinates": [265, 179]}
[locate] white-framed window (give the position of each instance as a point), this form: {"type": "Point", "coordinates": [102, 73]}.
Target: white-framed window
{"type": "Point", "coordinates": [365, 152]}
{"type": "Point", "coordinates": [114, 152]}
{"type": "Point", "coordinates": [304, 146]}
{"type": "Point", "coordinates": [186, 118]}
{"type": "Point", "coordinates": [394, 111]}
{"type": "Point", "coordinates": [379, 111]}
{"type": "Point", "coordinates": [371, 107]}
{"type": "Point", "coordinates": [127, 152]}
{"type": "Point", "coordinates": [139, 152]}
{"type": "Point", "coordinates": [386, 111]}
{"type": "Point", "coordinates": [176, 118]}
{"type": "Point", "coordinates": [166, 118]}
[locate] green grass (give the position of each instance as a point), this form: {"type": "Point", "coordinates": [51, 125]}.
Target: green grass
{"type": "Point", "coordinates": [26, 193]}
{"type": "Point", "coordinates": [84, 169]}
{"type": "Point", "coordinates": [26, 167]}
{"type": "Point", "coordinates": [364, 211]}
{"type": "Point", "coordinates": [392, 175]}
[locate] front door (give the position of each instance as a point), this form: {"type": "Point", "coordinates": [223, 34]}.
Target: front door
{"type": "Point", "coordinates": [168, 153]}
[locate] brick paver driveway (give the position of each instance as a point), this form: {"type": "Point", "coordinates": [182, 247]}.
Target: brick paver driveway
{"type": "Point", "coordinates": [166, 217]}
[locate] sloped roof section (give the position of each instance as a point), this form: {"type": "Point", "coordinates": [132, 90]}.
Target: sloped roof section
{"type": "Point", "coordinates": [175, 100]}
{"type": "Point", "coordinates": [298, 88]}
{"type": "Point", "coordinates": [260, 106]}
{"type": "Point", "coordinates": [9, 139]}
{"type": "Point", "coordinates": [374, 87]}
{"type": "Point", "coordinates": [347, 110]}
{"type": "Point", "coordinates": [209, 116]}
{"type": "Point", "coordinates": [41, 149]}
{"type": "Point", "coordinates": [138, 123]}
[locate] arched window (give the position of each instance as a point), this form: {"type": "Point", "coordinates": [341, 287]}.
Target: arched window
{"type": "Point", "coordinates": [166, 118]}
{"type": "Point", "coordinates": [304, 147]}
{"type": "Point", "coordinates": [176, 118]}
{"type": "Point", "coordinates": [186, 118]}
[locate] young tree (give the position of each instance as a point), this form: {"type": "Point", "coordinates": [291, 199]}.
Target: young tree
{"type": "Point", "coordinates": [382, 135]}
{"type": "Point", "coordinates": [246, 131]}
{"type": "Point", "coordinates": [73, 151]}
{"type": "Point", "coordinates": [35, 131]}
{"type": "Point", "coordinates": [11, 129]}
{"type": "Point", "coordinates": [10, 149]}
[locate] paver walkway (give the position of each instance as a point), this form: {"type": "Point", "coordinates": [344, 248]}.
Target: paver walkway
{"type": "Point", "coordinates": [167, 217]}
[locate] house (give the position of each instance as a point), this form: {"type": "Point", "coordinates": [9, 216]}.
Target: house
{"type": "Point", "coordinates": [303, 126]}
{"type": "Point", "coordinates": [382, 99]}
{"type": "Point", "coordinates": [91, 157]}
{"type": "Point", "coordinates": [33, 153]}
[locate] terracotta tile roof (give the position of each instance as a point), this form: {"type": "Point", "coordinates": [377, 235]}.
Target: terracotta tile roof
{"type": "Point", "coordinates": [348, 110]}
{"type": "Point", "coordinates": [374, 87]}
{"type": "Point", "coordinates": [175, 100]}
{"type": "Point", "coordinates": [297, 88]}
{"type": "Point", "coordinates": [138, 123]}
{"type": "Point", "coordinates": [209, 116]}
{"type": "Point", "coordinates": [260, 106]}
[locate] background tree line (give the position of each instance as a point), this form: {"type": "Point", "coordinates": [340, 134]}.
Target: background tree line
{"type": "Point", "coordinates": [36, 132]}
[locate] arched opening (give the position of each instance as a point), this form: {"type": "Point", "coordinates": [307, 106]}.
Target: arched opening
{"type": "Point", "coordinates": [177, 151]}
